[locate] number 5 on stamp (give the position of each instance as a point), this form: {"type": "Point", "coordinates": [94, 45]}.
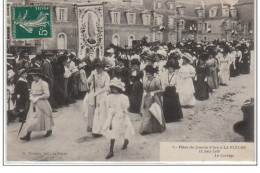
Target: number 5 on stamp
{"type": "Point", "coordinates": [31, 22]}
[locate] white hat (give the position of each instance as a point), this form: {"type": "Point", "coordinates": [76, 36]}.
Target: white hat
{"type": "Point", "coordinates": [115, 82]}
{"type": "Point", "coordinates": [110, 50]}
{"type": "Point", "coordinates": [82, 64]}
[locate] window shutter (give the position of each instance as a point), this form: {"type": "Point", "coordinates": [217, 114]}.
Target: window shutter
{"type": "Point", "coordinates": [57, 13]}
{"type": "Point", "coordinates": [155, 20]}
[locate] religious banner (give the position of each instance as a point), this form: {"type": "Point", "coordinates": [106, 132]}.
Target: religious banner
{"type": "Point", "coordinates": [91, 31]}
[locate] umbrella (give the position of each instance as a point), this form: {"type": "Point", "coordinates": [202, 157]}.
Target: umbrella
{"type": "Point", "coordinates": [155, 109]}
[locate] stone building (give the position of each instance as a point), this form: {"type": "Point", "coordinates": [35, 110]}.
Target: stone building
{"type": "Point", "coordinates": [245, 12]}
{"type": "Point", "coordinates": [158, 20]}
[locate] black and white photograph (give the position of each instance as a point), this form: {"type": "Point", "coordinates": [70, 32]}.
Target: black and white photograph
{"type": "Point", "coordinates": [129, 82]}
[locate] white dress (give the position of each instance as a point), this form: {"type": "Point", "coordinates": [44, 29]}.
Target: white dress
{"type": "Point", "coordinates": [96, 112]}
{"type": "Point", "coordinates": [118, 124]}
{"type": "Point", "coordinates": [185, 85]}
{"type": "Point", "coordinates": [224, 73]}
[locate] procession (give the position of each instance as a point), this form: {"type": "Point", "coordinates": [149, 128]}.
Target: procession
{"type": "Point", "coordinates": [154, 80]}
{"type": "Point", "coordinates": [115, 80]}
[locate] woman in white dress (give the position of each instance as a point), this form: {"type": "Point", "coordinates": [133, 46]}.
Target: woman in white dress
{"type": "Point", "coordinates": [96, 99]}
{"type": "Point", "coordinates": [40, 112]}
{"type": "Point", "coordinates": [185, 85]}
{"type": "Point", "coordinates": [224, 72]}
{"type": "Point", "coordinates": [118, 124]}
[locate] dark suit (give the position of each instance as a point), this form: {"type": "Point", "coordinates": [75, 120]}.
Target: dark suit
{"type": "Point", "coordinates": [48, 71]}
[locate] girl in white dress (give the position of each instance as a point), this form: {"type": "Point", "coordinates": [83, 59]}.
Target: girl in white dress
{"type": "Point", "coordinates": [118, 124]}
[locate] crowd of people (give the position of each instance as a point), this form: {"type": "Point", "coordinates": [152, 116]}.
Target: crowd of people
{"type": "Point", "coordinates": [155, 80]}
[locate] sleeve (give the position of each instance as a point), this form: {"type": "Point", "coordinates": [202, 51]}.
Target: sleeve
{"type": "Point", "coordinates": [193, 71]}
{"type": "Point", "coordinates": [45, 69]}
{"type": "Point", "coordinates": [107, 80]}
{"type": "Point", "coordinates": [67, 73]}
{"type": "Point", "coordinates": [45, 89]}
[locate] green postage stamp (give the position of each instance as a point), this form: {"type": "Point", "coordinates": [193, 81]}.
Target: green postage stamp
{"type": "Point", "coordinates": [31, 22]}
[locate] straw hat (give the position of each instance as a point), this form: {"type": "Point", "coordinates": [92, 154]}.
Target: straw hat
{"type": "Point", "coordinates": [187, 57]}
{"type": "Point", "coordinates": [115, 82]}
{"type": "Point", "coordinates": [22, 71]}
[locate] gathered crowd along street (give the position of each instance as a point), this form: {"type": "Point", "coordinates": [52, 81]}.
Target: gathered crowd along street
{"type": "Point", "coordinates": [155, 81]}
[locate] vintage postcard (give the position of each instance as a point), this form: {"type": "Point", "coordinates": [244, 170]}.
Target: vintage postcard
{"type": "Point", "coordinates": [130, 82]}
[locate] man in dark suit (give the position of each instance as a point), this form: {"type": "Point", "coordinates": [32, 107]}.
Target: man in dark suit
{"type": "Point", "coordinates": [48, 71]}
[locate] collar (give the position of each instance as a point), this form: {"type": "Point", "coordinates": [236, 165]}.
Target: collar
{"type": "Point", "coordinates": [22, 79]}
{"type": "Point", "coordinates": [48, 61]}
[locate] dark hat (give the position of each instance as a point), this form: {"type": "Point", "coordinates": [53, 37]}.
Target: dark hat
{"type": "Point", "coordinates": [36, 71]}
{"type": "Point", "coordinates": [38, 57]}
{"type": "Point", "coordinates": [174, 65]}
{"type": "Point", "coordinates": [101, 63]}
{"type": "Point", "coordinates": [150, 69]}
{"type": "Point", "coordinates": [204, 56]}
{"type": "Point", "coordinates": [135, 62]}
{"type": "Point", "coordinates": [63, 58]}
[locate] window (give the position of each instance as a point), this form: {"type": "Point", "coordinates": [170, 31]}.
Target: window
{"type": "Point", "coordinates": [233, 13]}
{"type": "Point", "coordinates": [171, 6]}
{"type": "Point", "coordinates": [116, 40]}
{"type": "Point", "coordinates": [146, 19]}
{"type": "Point", "coordinates": [181, 11]}
{"type": "Point", "coordinates": [225, 12]}
{"type": "Point", "coordinates": [62, 41]}
{"type": "Point", "coordinates": [159, 20]}
{"type": "Point", "coordinates": [131, 38]}
{"type": "Point", "coordinates": [171, 21]}
{"type": "Point", "coordinates": [116, 17]}
{"type": "Point", "coordinates": [62, 14]}
{"type": "Point", "coordinates": [8, 33]}
{"type": "Point", "coordinates": [181, 25]}
{"type": "Point", "coordinates": [200, 13]}
{"type": "Point", "coordinates": [158, 36]}
{"type": "Point", "coordinates": [213, 12]}
{"type": "Point", "coordinates": [130, 18]}
{"type": "Point", "coordinates": [159, 4]}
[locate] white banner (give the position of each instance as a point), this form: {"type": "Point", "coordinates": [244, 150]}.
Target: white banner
{"type": "Point", "coordinates": [91, 31]}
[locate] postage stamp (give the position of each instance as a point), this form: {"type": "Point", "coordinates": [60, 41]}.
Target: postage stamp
{"type": "Point", "coordinates": [31, 22]}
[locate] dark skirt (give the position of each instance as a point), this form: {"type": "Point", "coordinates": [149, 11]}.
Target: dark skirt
{"type": "Point", "coordinates": [149, 123]}
{"type": "Point", "coordinates": [201, 88]}
{"type": "Point", "coordinates": [245, 65]}
{"type": "Point", "coordinates": [238, 65]}
{"type": "Point", "coordinates": [135, 98]}
{"type": "Point", "coordinates": [233, 72]}
{"type": "Point", "coordinates": [171, 105]}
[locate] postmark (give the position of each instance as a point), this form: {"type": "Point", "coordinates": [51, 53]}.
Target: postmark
{"type": "Point", "coordinates": [31, 22]}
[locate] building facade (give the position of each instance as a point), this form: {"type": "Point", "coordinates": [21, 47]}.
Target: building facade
{"type": "Point", "coordinates": [158, 20]}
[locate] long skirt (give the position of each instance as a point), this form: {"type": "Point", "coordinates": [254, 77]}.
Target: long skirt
{"type": "Point", "coordinates": [201, 88]}
{"type": "Point", "coordinates": [213, 79]}
{"type": "Point", "coordinates": [39, 116]}
{"type": "Point", "coordinates": [224, 74]}
{"type": "Point", "coordinates": [135, 98]}
{"type": "Point", "coordinates": [149, 123]}
{"type": "Point", "coordinates": [100, 114]}
{"type": "Point", "coordinates": [232, 71]}
{"type": "Point", "coordinates": [186, 92]}
{"type": "Point", "coordinates": [118, 126]}
{"type": "Point", "coordinates": [238, 66]}
{"type": "Point", "coordinates": [171, 105]}
{"type": "Point", "coordinates": [245, 66]}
